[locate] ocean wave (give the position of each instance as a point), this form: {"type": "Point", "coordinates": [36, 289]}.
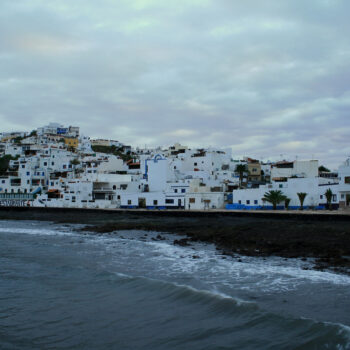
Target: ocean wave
{"type": "Point", "coordinates": [248, 316]}
{"type": "Point", "coordinates": [36, 231]}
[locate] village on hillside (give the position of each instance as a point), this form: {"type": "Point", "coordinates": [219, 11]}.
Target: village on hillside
{"type": "Point", "coordinates": [55, 166]}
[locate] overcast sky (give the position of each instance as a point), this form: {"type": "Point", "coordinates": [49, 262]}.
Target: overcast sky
{"type": "Point", "coordinates": [267, 78]}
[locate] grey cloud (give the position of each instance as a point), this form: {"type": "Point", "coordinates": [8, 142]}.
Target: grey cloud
{"type": "Point", "coordinates": [263, 77]}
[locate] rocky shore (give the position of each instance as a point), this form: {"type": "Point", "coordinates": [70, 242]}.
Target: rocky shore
{"type": "Point", "coordinates": [326, 239]}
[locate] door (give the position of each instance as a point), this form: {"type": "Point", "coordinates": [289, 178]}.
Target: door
{"type": "Point", "coordinates": [142, 202]}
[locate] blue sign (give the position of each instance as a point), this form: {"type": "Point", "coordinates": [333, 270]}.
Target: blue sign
{"type": "Point", "coordinates": [61, 131]}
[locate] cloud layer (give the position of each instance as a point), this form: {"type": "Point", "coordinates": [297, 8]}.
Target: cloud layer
{"type": "Point", "coordinates": [269, 79]}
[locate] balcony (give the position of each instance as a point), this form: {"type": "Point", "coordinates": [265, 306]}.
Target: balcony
{"type": "Point", "coordinates": [103, 190]}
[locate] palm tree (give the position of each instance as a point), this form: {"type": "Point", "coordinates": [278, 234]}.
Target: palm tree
{"type": "Point", "coordinates": [274, 197]}
{"type": "Point", "coordinates": [286, 203]}
{"type": "Point", "coordinates": [329, 195]}
{"type": "Point", "coordinates": [241, 169]}
{"type": "Point", "coordinates": [301, 196]}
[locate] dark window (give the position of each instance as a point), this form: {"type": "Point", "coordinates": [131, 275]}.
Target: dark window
{"type": "Point", "coordinates": [169, 201]}
{"type": "Point", "coordinates": [23, 166]}
{"type": "Point", "coordinates": [255, 202]}
{"type": "Point", "coordinates": [183, 190]}
{"type": "Point", "coordinates": [45, 163]}
{"type": "Point", "coordinates": [321, 197]}
{"type": "Point", "coordinates": [28, 173]}
{"type": "Point", "coordinates": [129, 201]}
{"type": "Point", "coordinates": [155, 202]}
{"type": "Point", "coordinates": [239, 202]}
{"type": "Point", "coordinates": [194, 163]}
{"type": "Point", "coordinates": [248, 201]}
{"type": "Point", "coordinates": [175, 190]}
{"type": "Point", "coordinates": [118, 197]}
{"type": "Point", "coordinates": [192, 200]}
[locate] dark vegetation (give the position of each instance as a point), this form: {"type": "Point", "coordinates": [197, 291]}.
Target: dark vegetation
{"type": "Point", "coordinates": [4, 163]}
{"type": "Point", "coordinates": [323, 169]}
{"type": "Point", "coordinates": [113, 150]}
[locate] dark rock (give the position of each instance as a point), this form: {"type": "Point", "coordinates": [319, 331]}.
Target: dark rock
{"type": "Point", "coordinates": [181, 242]}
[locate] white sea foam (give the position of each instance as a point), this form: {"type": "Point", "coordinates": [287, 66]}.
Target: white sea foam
{"type": "Point", "coordinates": [36, 231]}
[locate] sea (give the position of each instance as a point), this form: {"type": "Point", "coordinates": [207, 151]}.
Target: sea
{"type": "Point", "coordinates": [65, 289]}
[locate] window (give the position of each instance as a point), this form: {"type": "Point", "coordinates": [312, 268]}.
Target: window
{"type": "Point", "coordinates": [52, 163]}
{"type": "Point", "coordinates": [347, 179]}
{"type": "Point", "coordinates": [155, 202]}
{"type": "Point", "coordinates": [118, 197]}
{"type": "Point", "coordinates": [51, 183]}
{"type": "Point", "coordinates": [175, 190]}
{"type": "Point", "coordinates": [192, 200]}
{"type": "Point", "coordinates": [255, 201]}
{"type": "Point", "coordinates": [248, 201]}
{"type": "Point", "coordinates": [239, 202]}
{"type": "Point", "coordinates": [321, 197]}
{"type": "Point", "coordinates": [194, 163]}
{"type": "Point", "coordinates": [45, 163]}
{"type": "Point", "coordinates": [174, 167]}
{"type": "Point", "coordinates": [23, 166]}
{"type": "Point", "coordinates": [129, 201]}
{"type": "Point", "coordinates": [343, 196]}
{"type": "Point", "coordinates": [183, 190]}
{"type": "Point", "coordinates": [114, 187]}
{"type": "Point", "coordinates": [280, 186]}
{"type": "Point", "coordinates": [3, 181]}
{"type": "Point", "coordinates": [169, 201]}
{"type": "Point", "coordinates": [28, 173]}
{"type": "Point", "coordinates": [334, 198]}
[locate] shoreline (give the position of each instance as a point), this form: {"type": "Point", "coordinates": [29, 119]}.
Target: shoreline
{"type": "Point", "coordinates": [324, 237]}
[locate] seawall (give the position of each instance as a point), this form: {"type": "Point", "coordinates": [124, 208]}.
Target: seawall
{"type": "Point", "coordinates": [81, 215]}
